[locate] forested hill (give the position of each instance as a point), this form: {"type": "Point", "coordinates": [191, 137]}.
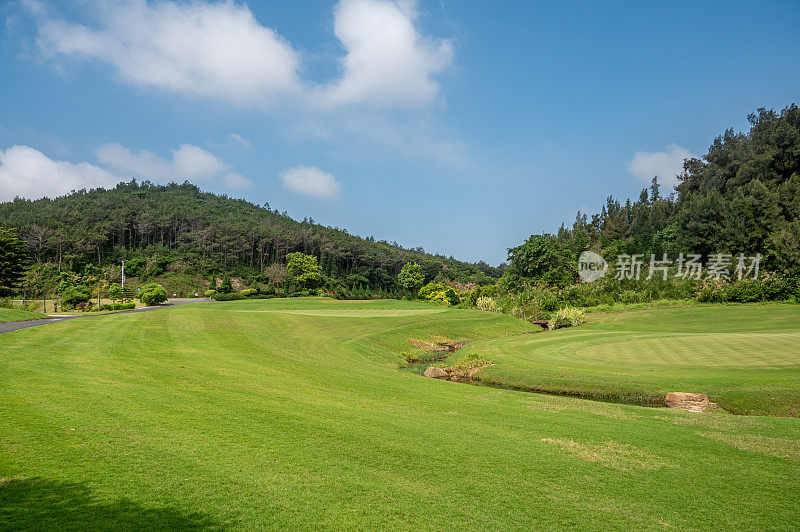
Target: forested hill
{"type": "Point", "coordinates": [743, 196]}
{"type": "Point", "coordinates": [158, 226]}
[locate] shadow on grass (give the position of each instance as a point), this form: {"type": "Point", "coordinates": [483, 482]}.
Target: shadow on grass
{"type": "Point", "coordinates": [39, 504]}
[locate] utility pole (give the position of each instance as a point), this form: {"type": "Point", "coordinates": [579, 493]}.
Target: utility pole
{"type": "Point", "coordinates": [24, 293]}
{"type": "Point", "coordinates": [123, 275]}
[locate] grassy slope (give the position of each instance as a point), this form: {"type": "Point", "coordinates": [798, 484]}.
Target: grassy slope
{"type": "Point", "coordinates": [746, 358]}
{"type": "Point", "coordinates": [11, 314]}
{"type": "Point", "coordinates": [206, 416]}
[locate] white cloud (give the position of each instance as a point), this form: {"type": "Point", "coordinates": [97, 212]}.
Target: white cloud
{"type": "Point", "coordinates": [220, 51]}
{"type": "Point", "coordinates": [27, 172]}
{"type": "Point", "coordinates": [311, 181]}
{"type": "Point", "coordinates": [188, 162]}
{"type": "Point", "coordinates": [142, 164]}
{"type": "Point", "coordinates": [213, 50]}
{"type": "Point", "coordinates": [387, 60]}
{"type": "Point", "coordinates": [667, 164]}
{"type": "Point", "coordinates": [241, 140]}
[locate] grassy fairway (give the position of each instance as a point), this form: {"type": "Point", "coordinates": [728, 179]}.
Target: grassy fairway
{"type": "Point", "coordinates": [746, 358]}
{"type": "Point", "coordinates": [292, 414]}
{"type": "Point", "coordinates": [11, 314]}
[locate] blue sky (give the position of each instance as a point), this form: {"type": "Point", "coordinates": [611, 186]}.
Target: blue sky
{"type": "Point", "coordinates": [461, 126]}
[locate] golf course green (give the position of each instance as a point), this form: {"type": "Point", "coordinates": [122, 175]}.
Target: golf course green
{"type": "Point", "coordinates": [294, 414]}
{"type": "Point", "coordinates": [746, 358]}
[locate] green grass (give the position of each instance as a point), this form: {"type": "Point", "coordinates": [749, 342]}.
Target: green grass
{"type": "Point", "coordinates": [12, 314]}
{"type": "Point", "coordinates": [745, 357]}
{"type": "Point", "coordinates": [206, 417]}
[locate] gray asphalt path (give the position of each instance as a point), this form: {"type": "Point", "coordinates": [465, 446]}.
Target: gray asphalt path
{"type": "Point", "coordinates": [11, 326]}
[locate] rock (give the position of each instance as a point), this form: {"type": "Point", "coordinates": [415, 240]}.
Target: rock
{"type": "Point", "coordinates": [675, 397]}
{"type": "Point", "coordinates": [692, 402]}
{"type": "Point", "coordinates": [435, 373]}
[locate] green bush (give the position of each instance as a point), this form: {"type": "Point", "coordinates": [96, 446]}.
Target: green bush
{"type": "Point", "coordinates": [115, 292]}
{"type": "Point", "coordinates": [566, 317]}
{"type": "Point", "coordinates": [424, 356]}
{"type": "Point", "coordinates": [152, 294]}
{"type": "Point", "coordinates": [72, 296]}
{"type": "Point", "coordinates": [305, 293]}
{"type": "Point", "coordinates": [135, 266]}
{"type": "Point", "coordinates": [210, 292]}
{"type": "Point", "coordinates": [233, 296]}
{"type": "Point", "coordinates": [248, 292]}
{"type": "Point", "coordinates": [468, 362]}
{"type": "Point", "coordinates": [119, 306]}
{"type": "Point", "coordinates": [472, 297]}
{"type": "Point", "coordinates": [225, 286]}
{"type": "Point", "coordinates": [768, 287]}
{"type": "Point", "coordinates": [440, 294]}
{"type": "Point", "coordinates": [268, 289]}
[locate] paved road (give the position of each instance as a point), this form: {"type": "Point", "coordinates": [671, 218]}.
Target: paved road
{"type": "Point", "coordinates": [10, 326]}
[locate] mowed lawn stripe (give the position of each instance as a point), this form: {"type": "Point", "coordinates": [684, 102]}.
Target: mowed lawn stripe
{"type": "Point", "coordinates": [198, 417]}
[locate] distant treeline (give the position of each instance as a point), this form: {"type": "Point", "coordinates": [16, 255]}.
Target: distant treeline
{"type": "Point", "coordinates": [742, 197]}
{"type": "Point", "coordinates": [177, 227]}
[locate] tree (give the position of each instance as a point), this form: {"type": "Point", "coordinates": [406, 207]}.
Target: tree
{"type": "Point", "coordinates": [177, 225]}
{"type": "Point", "coordinates": [115, 292]}
{"type": "Point", "coordinates": [411, 277]}
{"type": "Point", "coordinates": [303, 270]}
{"type": "Point", "coordinates": [541, 258]}
{"type": "Point", "coordinates": [12, 262]}
{"type": "Point", "coordinates": [152, 294]}
{"type": "Point", "coordinates": [72, 296]}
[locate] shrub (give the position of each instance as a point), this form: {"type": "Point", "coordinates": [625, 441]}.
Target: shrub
{"type": "Point", "coordinates": [424, 356]}
{"type": "Point", "coordinates": [473, 296]}
{"type": "Point", "coordinates": [440, 294]}
{"type": "Point", "coordinates": [135, 266]}
{"type": "Point", "coordinates": [268, 289]}
{"type": "Point", "coordinates": [473, 361]}
{"type": "Point", "coordinates": [468, 362]}
{"type": "Point", "coordinates": [115, 292]}
{"type": "Point", "coordinates": [152, 294]}
{"type": "Point", "coordinates": [427, 291]}
{"type": "Point", "coordinates": [566, 317]}
{"type": "Point", "coordinates": [225, 286]}
{"type": "Point", "coordinates": [248, 292]}
{"type": "Point", "coordinates": [233, 296]}
{"type": "Point", "coordinates": [73, 296]}
{"type": "Point", "coordinates": [119, 306]}
{"type": "Point", "coordinates": [210, 292]}
{"type": "Point", "coordinates": [487, 303]}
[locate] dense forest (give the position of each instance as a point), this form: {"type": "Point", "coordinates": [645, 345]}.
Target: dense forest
{"type": "Point", "coordinates": [179, 229]}
{"type": "Point", "coordinates": [742, 197]}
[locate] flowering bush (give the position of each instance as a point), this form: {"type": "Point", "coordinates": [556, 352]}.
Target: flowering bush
{"type": "Point", "coordinates": [440, 294]}
{"type": "Point", "coordinates": [566, 317]}
{"type": "Point", "coordinates": [768, 287]}
{"type": "Point", "coordinates": [487, 303]}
